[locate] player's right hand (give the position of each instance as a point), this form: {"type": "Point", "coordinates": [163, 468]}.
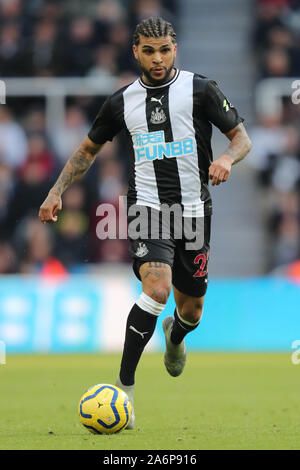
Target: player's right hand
{"type": "Point", "coordinates": [50, 207]}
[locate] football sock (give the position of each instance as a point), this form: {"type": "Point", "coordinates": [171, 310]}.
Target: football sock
{"type": "Point", "coordinates": [181, 328]}
{"type": "Point", "coordinates": [139, 329]}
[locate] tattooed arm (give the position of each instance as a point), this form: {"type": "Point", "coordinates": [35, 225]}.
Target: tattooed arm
{"type": "Point", "coordinates": [75, 168]}
{"type": "Point", "coordinates": [238, 148]}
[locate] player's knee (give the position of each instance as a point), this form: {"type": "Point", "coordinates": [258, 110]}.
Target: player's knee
{"type": "Point", "coordinates": [160, 293]}
{"type": "Point", "coordinates": [158, 289]}
{"type": "Point", "coordinates": [156, 279]}
{"type": "Point", "coordinates": [192, 311]}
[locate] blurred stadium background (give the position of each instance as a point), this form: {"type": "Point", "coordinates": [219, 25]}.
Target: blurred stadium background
{"type": "Point", "coordinates": [64, 290]}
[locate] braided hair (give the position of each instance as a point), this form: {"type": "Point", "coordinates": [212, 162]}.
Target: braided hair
{"type": "Point", "coordinates": [153, 28]}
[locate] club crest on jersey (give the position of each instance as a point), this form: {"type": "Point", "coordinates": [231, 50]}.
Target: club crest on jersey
{"type": "Point", "coordinates": [158, 116]}
{"type": "Point", "coordinates": [142, 250]}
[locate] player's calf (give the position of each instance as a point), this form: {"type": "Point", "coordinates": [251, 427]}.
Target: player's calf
{"type": "Point", "coordinates": [181, 326]}
{"type": "Point", "coordinates": [140, 327]}
{"type": "Point", "coordinates": [187, 315]}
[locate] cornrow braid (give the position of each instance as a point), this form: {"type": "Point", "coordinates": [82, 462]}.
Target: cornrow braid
{"type": "Point", "coordinates": [153, 28]}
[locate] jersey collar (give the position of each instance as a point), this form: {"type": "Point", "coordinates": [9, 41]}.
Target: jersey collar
{"type": "Point", "coordinates": [160, 86]}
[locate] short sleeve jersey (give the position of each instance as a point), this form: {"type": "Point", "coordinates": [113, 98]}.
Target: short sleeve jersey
{"type": "Point", "coordinates": [169, 130]}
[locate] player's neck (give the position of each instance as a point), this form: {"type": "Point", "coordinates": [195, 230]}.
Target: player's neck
{"type": "Point", "coordinates": [151, 83]}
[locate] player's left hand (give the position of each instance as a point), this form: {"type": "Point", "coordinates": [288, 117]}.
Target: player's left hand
{"type": "Point", "coordinates": [219, 170]}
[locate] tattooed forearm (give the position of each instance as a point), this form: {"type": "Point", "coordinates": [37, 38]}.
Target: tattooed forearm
{"type": "Point", "coordinates": [240, 144]}
{"type": "Point", "coordinates": [76, 167]}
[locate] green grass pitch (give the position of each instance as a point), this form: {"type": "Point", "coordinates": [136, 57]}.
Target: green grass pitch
{"type": "Point", "coordinates": [221, 401]}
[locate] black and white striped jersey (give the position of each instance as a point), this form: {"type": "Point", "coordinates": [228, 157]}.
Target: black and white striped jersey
{"type": "Point", "coordinates": [169, 129]}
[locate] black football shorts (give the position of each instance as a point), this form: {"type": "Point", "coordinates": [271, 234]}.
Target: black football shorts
{"type": "Point", "coordinates": [181, 242]}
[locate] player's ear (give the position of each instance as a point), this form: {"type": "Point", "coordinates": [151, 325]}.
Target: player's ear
{"type": "Point", "coordinates": [134, 48]}
{"type": "Point", "coordinates": [175, 49]}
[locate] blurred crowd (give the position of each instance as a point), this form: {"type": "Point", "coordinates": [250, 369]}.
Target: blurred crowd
{"type": "Point", "coordinates": [80, 38]}
{"type": "Point", "coordinates": [72, 38]}
{"type": "Point", "coordinates": [276, 144]}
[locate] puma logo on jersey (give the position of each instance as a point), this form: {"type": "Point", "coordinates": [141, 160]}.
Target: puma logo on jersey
{"type": "Point", "coordinates": [158, 100]}
{"type": "Point", "coordinates": [138, 332]}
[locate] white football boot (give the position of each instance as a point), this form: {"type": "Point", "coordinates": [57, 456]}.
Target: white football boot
{"type": "Point", "coordinates": [175, 355]}
{"type": "Point", "coordinates": [129, 390]}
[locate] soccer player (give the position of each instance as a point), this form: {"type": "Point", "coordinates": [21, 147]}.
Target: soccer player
{"type": "Point", "coordinates": [167, 115]}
